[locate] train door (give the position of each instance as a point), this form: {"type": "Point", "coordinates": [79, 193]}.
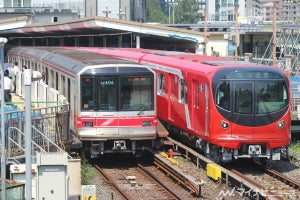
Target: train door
{"type": "Point", "coordinates": [162, 96]}
{"type": "Point", "coordinates": [171, 84]}
{"type": "Point", "coordinates": [206, 116]}
{"type": "Point", "coordinates": [195, 105]}
{"type": "Point", "coordinates": [183, 98]}
{"type": "Point", "coordinates": [106, 90]}
{"type": "Point", "coordinates": [244, 106]}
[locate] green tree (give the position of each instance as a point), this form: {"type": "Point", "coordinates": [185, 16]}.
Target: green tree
{"type": "Point", "coordinates": [154, 12]}
{"type": "Point", "coordinates": [186, 12]}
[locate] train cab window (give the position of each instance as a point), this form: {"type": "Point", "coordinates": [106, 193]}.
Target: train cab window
{"type": "Point", "coordinates": [271, 96]}
{"type": "Point", "coordinates": [87, 97]}
{"type": "Point", "coordinates": [136, 93]}
{"type": "Point", "coordinates": [223, 95]}
{"type": "Point", "coordinates": [183, 91]}
{"type": "Point", "coordinates": [243, 97]}
{"type": "Point", "coordinates": [107, 87]}
{"type": "Point", "coordinates": [161, 84]}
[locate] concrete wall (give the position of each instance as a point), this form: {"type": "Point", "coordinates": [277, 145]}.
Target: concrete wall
{"type": "Point", "coordinates": [217, 44]}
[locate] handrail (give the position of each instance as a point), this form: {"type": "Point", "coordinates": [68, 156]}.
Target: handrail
{"type": "Point", "coordinates": [10, 138]}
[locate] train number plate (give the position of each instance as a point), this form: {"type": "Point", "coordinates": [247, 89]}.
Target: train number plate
{"type": "Point", "coordinates": [88, 124]}
{"type": "Point", "coordinates": [254, 149]}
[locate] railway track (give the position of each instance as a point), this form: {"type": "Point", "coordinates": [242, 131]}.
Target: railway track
{"type": "Point", "coordinates": [269, 182]}
{"type": "Point", "coordinates": [188, 179]}
{"type": "Point", "coordinates": [248, 181]}
{"type": "Point", "coordinates": [135, 181]}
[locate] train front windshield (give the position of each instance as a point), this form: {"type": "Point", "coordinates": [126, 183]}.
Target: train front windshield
{"type": "Point", "coordinates": [250, 93]}
{"type": "Point", "coordinates": [117, 93]}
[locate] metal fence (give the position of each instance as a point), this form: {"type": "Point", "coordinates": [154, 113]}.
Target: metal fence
{"type": "Point", "coordinates": [49, 131]}
{"type": "Point", "coordinates": [14, 190]}
{"type": "Point", "coordinates": [295, 83]}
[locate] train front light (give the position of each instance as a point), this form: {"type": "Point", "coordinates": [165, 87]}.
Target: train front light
{"type": "Point", "coordinates": [224, 124]}
{"type": "Point", "coordinates": [147, 123]}
{"type": "Point", "coordinates": [280, 124]}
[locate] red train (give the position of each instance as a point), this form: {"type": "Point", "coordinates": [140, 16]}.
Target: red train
{"type": "Point", "coordinates": [227, 109]}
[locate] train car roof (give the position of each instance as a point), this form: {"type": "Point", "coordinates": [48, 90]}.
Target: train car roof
{"type": "Point", "coordinates": [179, 54]}
{"type": "Point", "coordinates": [190, 63]}
{"type": "Point", "coordinates": [70, 60]}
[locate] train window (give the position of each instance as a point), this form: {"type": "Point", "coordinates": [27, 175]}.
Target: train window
{"type": "Point", "coordinates": [173, 83]}
{"type": "Point", "coordinates": [107, 87]}
{"type": "Point", "coordinates": [196, 93]}
{"type": "Point", "coordinates": [223, 95]}
{"type": "Point", "coordinates": [87, 98]}
{"type": "Point", "coordinates": [63, 85]}
{"type": "Point", "coordinates": [47, 72]}
{"type": "Point", "coordinates": [136, 93]}
{"type": "Point", "coordinates": [252, 75]}
{"type": "Point", "coordinates": [243, 97]}
{"type": "Point", "coordinates": [57, 82]}
{"type": "Point", "coordinates": [51, 78]}
{"type": "Point", "coordinates": [161, 84]}
{"type": "Point", "coordinates": [69, 89]}
{"type": "Point", "coordinates": [271, 96]}
{"type": "Point", "coordinates": [183, 91]}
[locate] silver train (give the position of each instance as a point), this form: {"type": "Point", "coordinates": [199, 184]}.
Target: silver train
{"type": "Point", "coordinates": [112, 100]}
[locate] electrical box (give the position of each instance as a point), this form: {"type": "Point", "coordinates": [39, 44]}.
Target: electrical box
{"type": "Point", "coordinates": [213, 171]}
{"type": "Point", "coordinates": [52, 179]}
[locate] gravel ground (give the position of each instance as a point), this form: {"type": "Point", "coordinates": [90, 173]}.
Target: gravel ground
{"type": "Point", "coordinates": [104, 188]}
{"type": "Point", "coordinates": [210, 190]}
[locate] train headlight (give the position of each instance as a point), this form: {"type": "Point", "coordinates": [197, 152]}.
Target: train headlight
{"type": "Point", "coordinates": [280, 124]}
{"type": "Point", "coordinates": [224, 124]}
{"type": "Point", "coordinates": [147, 123]}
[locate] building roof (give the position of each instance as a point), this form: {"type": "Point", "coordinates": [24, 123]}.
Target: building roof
{"type": "Point", "coordinates": [19, 28]}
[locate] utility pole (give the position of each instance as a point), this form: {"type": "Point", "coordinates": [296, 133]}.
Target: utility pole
{"type": "Point", "coordinates": [272, 4]}
{"type": "Point", "coordinates": [236, 33]}
{"type": "Point", "coordinates": [171, 3]}
{"type": "Point", "coordinates": [121, 14]}
{"type": "Point", "coordinates": [274, 34]}
{"type": "Point", "coordinates": [28, 78]}
{"type": "Point", "coordinates": [106, 11]}
{"type": "Point", "coordinates": [28, 133]}
{"type": "Point", "coordinates": [204, 13]}
{"type": "Point", "coordinates": [3, 41]}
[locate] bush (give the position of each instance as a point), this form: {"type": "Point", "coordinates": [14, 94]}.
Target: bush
{"type": "Point", "coordinates": [87, 173]}
{"type": "Point", "coordinates": [295, 147]}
